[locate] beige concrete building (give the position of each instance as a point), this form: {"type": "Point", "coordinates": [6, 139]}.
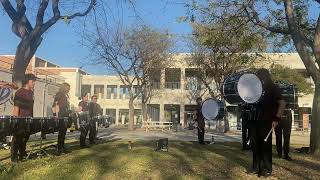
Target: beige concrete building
{"type": "Point", "coordinates": [176, 89]}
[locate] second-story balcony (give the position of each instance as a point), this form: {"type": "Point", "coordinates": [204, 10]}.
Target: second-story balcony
{"type": "Point", "coordinates": [173, 78]}
{"type": "Point", "coordinates": [172, 85]}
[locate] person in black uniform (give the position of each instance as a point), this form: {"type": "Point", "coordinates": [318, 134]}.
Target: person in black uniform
{"type": "Point", "coordinates": [61, 102]}
{"type": "Point", "coordinates": [270, 109]}
{"type": "Point", "coordinates": [94, 110]}
{"type": "Point", "coordinates": [200, 121]}
{"type": "Point", "coordinates": [22, 107]}
{"type": "Point", "coordinates": [245, 127]}
{"type": "Point", "coordinates": [284, 128]}
{"type": "Point", "coordinates": [83, 106]}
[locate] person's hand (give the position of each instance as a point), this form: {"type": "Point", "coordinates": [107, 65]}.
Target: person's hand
{"type": "Point", "coordinates": [274, 124]}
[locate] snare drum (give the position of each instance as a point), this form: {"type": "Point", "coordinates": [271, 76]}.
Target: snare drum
{"type": "Point", "coordinates": [213, 109]}
{"type": "Point", "coordinates": [243, 87]}
{"type": "Point", "coordinates": [49, 125]}
{"type": "Point", "coordinates": [35, 125]}
{"type": "Point", "coordinates": [83, 119]}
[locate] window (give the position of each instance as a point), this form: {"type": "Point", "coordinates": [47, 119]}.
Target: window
{"type": "Point", "coordinates": [112, 92]}
{"type": "Point", "coordinates": [124, 92]}
{"type": "Point", "coordinates": [85, 89]}
{"type": "Point", "coordinates": [136, 91]}
{"type": "Point", "coordinates": [98, 89]}
{"type": "Point", "coordinates": [111, 113]}
{"type": "Point", "coordinates": [172, 78]}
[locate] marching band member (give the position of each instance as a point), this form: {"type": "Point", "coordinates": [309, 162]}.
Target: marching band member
{"type": "Point", "coordinates": [83, 106]}
{"type": "Point", "coordinates": [22, 107]}
{"type": "Point", "coordinates": [270, 109]}
{"type": "Point", "coordinates": [94, 110]}
{"type": "Point", "coordinates": [61, 109]}
{"type": "Point", "coordinates": [200, 121]}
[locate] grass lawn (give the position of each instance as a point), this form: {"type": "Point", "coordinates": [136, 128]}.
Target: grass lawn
{"type": "Point", "coordinates": [185, 160]}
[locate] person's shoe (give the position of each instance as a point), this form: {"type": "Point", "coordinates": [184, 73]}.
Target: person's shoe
{"type": "Point", "coordinates": [252, 171]}
{"type": "Point", "coordinates": [92, 143]}
{"type": "Point", "coordinates": [287, 157]}
{"type": "Point", "coordinates": [65, 150]}
{"type": "Point", "coordinates": [59, 152]}
{"type": "Point", "coordinates": [84, 146]}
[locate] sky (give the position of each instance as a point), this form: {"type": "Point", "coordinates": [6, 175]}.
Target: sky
{"type": "Point", "coordinates": [61, 44]}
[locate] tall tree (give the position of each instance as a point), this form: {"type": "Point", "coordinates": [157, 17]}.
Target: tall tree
{"type": "Point", "coordinates": [286, 22]}
{"type": "Point", "coordinates": [133, 54]}
{"type": "Point", "coordinates": [152, 50]}
{"type": "Point", "coordinates": [31, 36]}
{"type": "Point", "coordinates": [221, 48]}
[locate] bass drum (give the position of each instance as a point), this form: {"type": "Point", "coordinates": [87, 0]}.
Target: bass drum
{"type": "Point", "coordinates": [243, 87]}
{"type": "Point", "coordinates": [213, 109]}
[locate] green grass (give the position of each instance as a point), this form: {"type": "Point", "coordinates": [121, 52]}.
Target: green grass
{"type": "Point", "coordinates": [185, 160]}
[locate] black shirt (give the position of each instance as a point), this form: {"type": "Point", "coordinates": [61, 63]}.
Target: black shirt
{"type": "Point", "coordinates": [200, 118]}
{"type": "Point", "coordinates": [94, 109]}
{"type": "Point", "coordinates": [269, 105]}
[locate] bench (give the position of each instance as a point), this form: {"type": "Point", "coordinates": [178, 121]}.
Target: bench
{"type": "Point", "coordinates": [157, 125]}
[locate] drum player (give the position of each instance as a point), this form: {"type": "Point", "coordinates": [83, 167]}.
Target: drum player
{"type": "Point", "coordinates": [22, 107]}
{"type": "Point", "coordinates": [270, 109]}
{"type": "Point", "coordinates": [62, 107]}
{"type": "Point", "coordinates": [83, 107]}
{"type": "Point", "coordinates": [94, 110]}
{"type": "Point", "coordinates": [200, 121]}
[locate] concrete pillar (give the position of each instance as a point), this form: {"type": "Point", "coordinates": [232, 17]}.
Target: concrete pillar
{"type": "Point", "coordinates": [161, 112]}
{"type": "Point", "coordinates": [92, 90]}
{"type": "Point", "coordinates": [162, 78]}
{"type": "Point", "coordinates": [182, 115]}
{"type": "Point", "coordinates": [183, 78]}
{"type": "Point", "coordinates": [123, 117]}
{"type": "Point", "coordinates": [135, 120]}
{"type": "Point", "coordinates": [117, 116]}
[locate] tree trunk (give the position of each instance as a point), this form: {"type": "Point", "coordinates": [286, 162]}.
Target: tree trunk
{"type": "Point", "coordinates": [144, 112]}
{"type": "Point", "coordinates": [25, 51]}
{"type": "Point", "coordinates": [131, 115]}
{"type": "Point", "coordinates": [315, 123]}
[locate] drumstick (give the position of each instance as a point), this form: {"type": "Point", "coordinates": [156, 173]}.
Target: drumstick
{"type": "Point", "coordinates": [265, 140]}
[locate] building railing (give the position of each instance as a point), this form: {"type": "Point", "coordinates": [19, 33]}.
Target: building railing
{"type": "Point", "coordinates": [172, 85]}
{"type": "Point", "coordinates": [155, 85]}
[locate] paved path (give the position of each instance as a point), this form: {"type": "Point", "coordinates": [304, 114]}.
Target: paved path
{"type": "Point", "coordinates": [116, 133]}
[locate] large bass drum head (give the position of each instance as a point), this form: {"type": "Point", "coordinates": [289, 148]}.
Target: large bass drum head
{"type": "Point", "coordinates": [210, 109]}
{"type": "Point", "coordinates": [250, 88]}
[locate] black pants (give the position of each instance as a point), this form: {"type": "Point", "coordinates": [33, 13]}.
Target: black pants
{"type": "Point", "coordinates": [201, 135]}
{"type": "Point", "coordinates": [261, 150]}
{"type": "Point", "coordinates": [18, 146]}
{"type": "Point", "coordinates": [93, 132]}
{"type": "Point", "coordinates": [62, 125]}
{"type": "Point", "coordinates": [83, 134]}
{"type": "Point", "coordinates": [284, 128]}
{"type": "Point", "coordinates": [246, 133]}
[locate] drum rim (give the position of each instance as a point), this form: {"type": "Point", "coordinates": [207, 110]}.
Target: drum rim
{"type": "Point", "coordinates": [262, 89]}
{"type": "Point", "coordinates": [236, 90]}
{"type": "Point", "coordinates": [217, 102]}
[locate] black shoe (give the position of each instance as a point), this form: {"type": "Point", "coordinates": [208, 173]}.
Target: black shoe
{"type": "Point", "coordinates": [252, 171]}
{"type": "Point", "coordinates": [264, 174]}
{"type": "Point", "coordinates": [287, 157]}
{"type": "Point", "coordinates": [92, 143]}
{"type": "Point", "coordinates": [84, 146]}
